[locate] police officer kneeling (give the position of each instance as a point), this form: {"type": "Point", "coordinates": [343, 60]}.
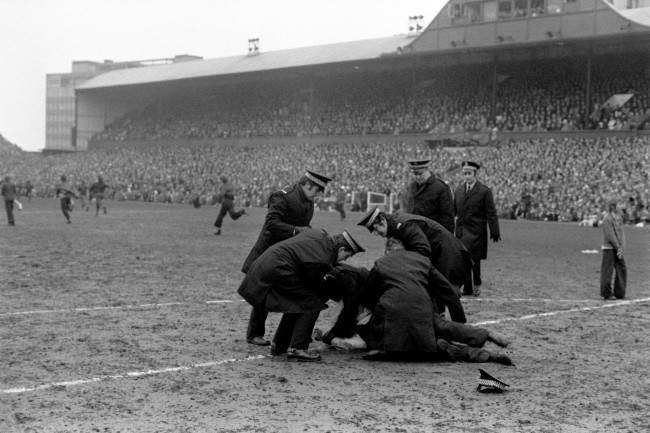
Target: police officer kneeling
{"type": "Point", "coordinates": [288, 278]}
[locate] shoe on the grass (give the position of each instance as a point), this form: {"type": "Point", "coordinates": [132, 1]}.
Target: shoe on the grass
{"type": "Point", "coordinates": [302, 355]}
{"type": "Point", "coordinates": [258, 341]}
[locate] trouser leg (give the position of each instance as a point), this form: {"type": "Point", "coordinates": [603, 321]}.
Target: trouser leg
{"type": "Point", "coordinates": [620, 281]}
{"type": "Point", "coordinates": [606, 269]}
{"type": "Point", "coordinates": [302, 330]}
{"type": "Point", "coordinates": [454, 331]}
{"type": "Point", "coordinates": [222, 213]}
{"type": "Point", "coordinates": [462, 352]}
{"type": "Point", "coordinates": [476, 272]}
{"type": "Point", "coordinates": [256, 322]}
{"type": "Point", "coordinates": [65, 208]}
{"type": "Point", "coordinates": [468, 284]}
{"type": "Point", "coordinates": [284, 332]}
{"type": "Point", "coordinates": [9, 208]}
{"type": "Point", "coordinates": [230, 207]}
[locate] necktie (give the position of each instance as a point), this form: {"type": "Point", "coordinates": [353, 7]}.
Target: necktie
{"type": "Point", "coordinates": [467, 188]}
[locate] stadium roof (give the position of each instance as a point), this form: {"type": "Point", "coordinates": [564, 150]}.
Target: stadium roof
{"type": "Point", "coordinates": [307, 56]}
{"type": "Point", "coordinates": [640, 15]}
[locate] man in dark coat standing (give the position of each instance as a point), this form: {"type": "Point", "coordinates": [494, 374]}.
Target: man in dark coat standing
{"type": "Point", "coordinates": [447, 254]}
{"type": "Point", "coordinates": [290, 212]}
{"type": "Point", "coordinates": [475, 211]}
{"type": "Point", "coordinates": [288, 278]}
{"type": "Point", "coordinates": [227, 196]}
{"type": "Point", "coordinates": [429, 196]}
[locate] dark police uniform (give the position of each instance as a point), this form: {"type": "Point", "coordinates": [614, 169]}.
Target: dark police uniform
{"type": "Point", "coordinates": [402, 312]}
{"type": "Point", "coordinates": [447, 253]}
{"type": "Point", "coordinates": [449, 257]}
{"type": "Point", "coordinates": [475, 211]}
{"type": "Point", "coordinates": [402, 273]}
{"type": "Point", "coordinates": [290, 212]}
{"type": "Point", "coordinates": [432, 199]}
{"type": "Point", "coordinates": [287, 278]}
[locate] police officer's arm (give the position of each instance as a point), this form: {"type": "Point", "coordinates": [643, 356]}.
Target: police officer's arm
{"type": "Point", "coordinates": [414, 239]}
{"type": "Point", "coordinates": [278, 208]}
{"type": "Point", "coordinates": [441, 289]}
{"type": "Point", "coordinates": [491, 215]}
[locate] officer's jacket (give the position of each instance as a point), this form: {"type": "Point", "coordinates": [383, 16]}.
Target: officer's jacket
{"type": "Point", "coordinates": [432, 240]}
{"type": "Point", "coordinates": [288, 208]}
{"type": "Point", "coordinates": [432, 199]}
{"type": "Point", "coordinates": [288, 276]}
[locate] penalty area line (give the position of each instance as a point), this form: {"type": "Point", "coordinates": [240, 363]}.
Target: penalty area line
{"type": "Point", "coordinates": [57, 385]}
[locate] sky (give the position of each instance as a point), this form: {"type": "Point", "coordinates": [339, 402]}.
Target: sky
{"type": "Point", "coordinates": [38, 37]}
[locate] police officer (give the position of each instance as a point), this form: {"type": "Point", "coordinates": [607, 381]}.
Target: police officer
{"type": "Point", "coordinates": [290, 211]}
{"type": "Point", "coordinates": [288, 278]}
{"type": "Point", "coordinates": [451, 260]}
{"type": "Point", "coordinates": [428, 237]}
{"type": "Point", "coordinates": [475, 212]}
{"type": "Point", "coordinates": [429, 196]}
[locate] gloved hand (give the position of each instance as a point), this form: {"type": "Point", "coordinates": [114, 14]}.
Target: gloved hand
{"type": "Point", "coordinates": [495, 238]}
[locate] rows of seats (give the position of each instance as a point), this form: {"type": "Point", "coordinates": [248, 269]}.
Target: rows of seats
{"type": "Point", "coordinates": [531, 97]}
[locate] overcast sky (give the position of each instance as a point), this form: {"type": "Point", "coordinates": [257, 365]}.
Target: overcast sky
{"type": "Point", "coordinates": [44, 36]}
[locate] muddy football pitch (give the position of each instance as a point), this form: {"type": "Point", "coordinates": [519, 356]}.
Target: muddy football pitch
{"type": "Point", "coordinates": [130, 322]}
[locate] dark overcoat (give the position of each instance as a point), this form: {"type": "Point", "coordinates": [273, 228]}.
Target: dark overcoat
{"type": "Point", "coordinates": [475, 211]}
{"type": "Point", "coordinates": [431, 199]}
{"type": "Point", "coordinates": [287, 277]}
{"type": "Point", "coordinates": [288, 208]}
{"type": "Point", "coordinates": [396, 292]}
{"type": "Point", "coordinates": [447, 253]}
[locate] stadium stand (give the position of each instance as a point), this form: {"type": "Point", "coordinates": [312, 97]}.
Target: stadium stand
{"type": "Point", "coordinates": [564, 179]}
{"type": "Point", "coordinates": [544, 96]}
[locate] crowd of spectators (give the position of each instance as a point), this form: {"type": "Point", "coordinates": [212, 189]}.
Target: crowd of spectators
{"type": "Point", "coordinates": [565, 180]}
{"type": "Point", "coordinates": [535, 97]}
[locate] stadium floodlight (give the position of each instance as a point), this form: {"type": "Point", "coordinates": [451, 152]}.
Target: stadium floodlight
{"type": "Point", "coordinates": [253, 46]}
{"type": "Point", "coordinates": [415, 23]}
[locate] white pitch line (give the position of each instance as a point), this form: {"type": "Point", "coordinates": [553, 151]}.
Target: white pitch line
{"type": "Point", "coordinates": [253, 357]}
{"type": "Point", "coordinates": [555, 313]}
{"type": "Point", "coordinates": [478, 299]}
{"type": "Point", "coordinates": [128, 375]}
{"type": "Point", "coordinates": [115, 307]}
